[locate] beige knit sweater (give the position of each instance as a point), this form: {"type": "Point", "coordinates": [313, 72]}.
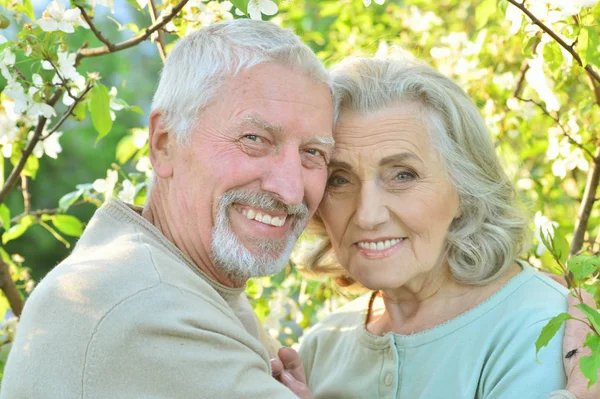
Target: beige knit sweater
{"type": "Point", "coordinates": [128, 315]}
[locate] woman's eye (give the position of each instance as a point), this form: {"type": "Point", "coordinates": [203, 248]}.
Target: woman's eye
{"type": "Point", "coordinates": [312, 151]}
{"type": "Point", "coordinates": [404, 176]}
{"type": "Point", "coordinates": [337, 181]}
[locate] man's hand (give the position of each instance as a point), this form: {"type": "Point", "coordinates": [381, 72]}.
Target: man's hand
{"type": "Point", "coordinates": [288, 370]}
{"type": "Point", "coordinates": [575, 334]}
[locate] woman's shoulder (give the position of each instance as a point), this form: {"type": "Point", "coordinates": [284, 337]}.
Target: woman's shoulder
{"type": "Point", "coordinates": [348, 317]}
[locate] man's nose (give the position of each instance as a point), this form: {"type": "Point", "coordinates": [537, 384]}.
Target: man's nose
{"type": "Point", "coordinates": [371, 212]}
{"type": "Point", "coordinates": [285, 179]}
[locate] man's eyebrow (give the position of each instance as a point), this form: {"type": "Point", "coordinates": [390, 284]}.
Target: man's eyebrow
{"type": "Point", "coordinates": [399, 158]}
{"type": "Point", "coordinates": [257, 121]}
{"type": "Point", "coordinates": [326, 141]}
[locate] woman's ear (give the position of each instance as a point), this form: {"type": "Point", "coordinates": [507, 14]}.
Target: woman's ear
{"type": "Point", "coordinates": [160, 142]}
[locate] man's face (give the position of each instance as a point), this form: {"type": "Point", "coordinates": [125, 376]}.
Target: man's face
{"type": "Point", "coordinates": [254, 170]}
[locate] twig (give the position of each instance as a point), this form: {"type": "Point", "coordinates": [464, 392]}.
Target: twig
{"type": "Point", "coordinates": [67, 113]}
{"type": "Point", "coordinates": [159, 41]}
{"type": "Point", "coordinates": [587, 203]}
{"type": "Point", "coordinates": [569, 47]}
{"type": "Point", "coordinates": [26, 195]}
{"type": "Point", "coordinates": [16, 172]}
{"type": "Point", "coordinates": [7, 285]}
{"type": "Point", "coordinates": [63, 80]}
{"type": "Point", "coordinates": [557, 121]}
{"type": "Point", "coordinates": [40, 212]}
{"type": "Point", "coordinates": [54, 233]}
{"type": "Point", "coordinates": [94, 29]}
{"type": "Point", "coordinates": [522, 72]}
{"type": "Point", "coordinates": [94, 52]}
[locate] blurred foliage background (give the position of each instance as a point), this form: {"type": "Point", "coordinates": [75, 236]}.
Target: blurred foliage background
{"type": "Point", "coordinates": [540, 104]}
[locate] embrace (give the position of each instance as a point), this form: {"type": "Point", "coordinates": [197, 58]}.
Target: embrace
{"type": "Point", "coordinates": [251, 139]}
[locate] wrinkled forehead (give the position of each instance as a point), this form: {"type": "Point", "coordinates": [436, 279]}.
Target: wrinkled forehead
{"type": "Point", "coordinates": [369, 138]}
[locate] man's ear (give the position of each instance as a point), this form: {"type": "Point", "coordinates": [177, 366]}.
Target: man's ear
{"type": "Point", "coordinates": [161, 145]}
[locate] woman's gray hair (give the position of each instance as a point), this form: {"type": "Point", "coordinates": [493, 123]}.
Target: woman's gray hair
{"type": "Point", "coordinates": [201, 62]}
{"type": "Point", "coordinates": [491, 230]}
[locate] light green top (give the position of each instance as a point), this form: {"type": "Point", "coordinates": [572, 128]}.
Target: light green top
{"type": "Point", "coordinates": [486, 352]}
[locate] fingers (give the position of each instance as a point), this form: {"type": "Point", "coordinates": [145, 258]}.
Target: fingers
{"type": "Point", "coordinates": [276, 368]}
{"type": "Point", "coordinates": [292, 363]}
{"type": "Point", "coordinates": [297, 387]}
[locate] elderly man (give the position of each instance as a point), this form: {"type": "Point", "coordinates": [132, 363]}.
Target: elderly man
{"type": "Point", "coordinates": [150, 303]}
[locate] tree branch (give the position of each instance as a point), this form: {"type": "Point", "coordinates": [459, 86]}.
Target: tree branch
{"type": "Point", "coordinates": [40, 212]}
{"type": "Point", "coordinates": [569, 47]}
{"type": "Point", "coordinates": [557, 121]}
{"type": "Point", "coordinates": [37, 134]}
{"type": "Point", "coordinates": [94, 52]}
{"type": "Point", "coordinates": [94, 29]}
{"type": "Point", "coordinates": [585, 209]}
{"type": "Point", "coordinates": [7, 285]}
{"type": "Point", "coordinates": [26, 195]}
{"type": "Point", "coordinates": [159, 40]}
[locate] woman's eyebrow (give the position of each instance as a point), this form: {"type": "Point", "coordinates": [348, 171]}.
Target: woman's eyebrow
{"type": "Point", "coordinates": [399, 158]}
{"type": "Point", "coordinates": [339, 164]}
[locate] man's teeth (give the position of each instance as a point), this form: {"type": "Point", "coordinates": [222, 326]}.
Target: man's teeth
{"type": "Point", "coordinates": [266, 219]}
{"type": "Point", "coordinates": [379, 245]}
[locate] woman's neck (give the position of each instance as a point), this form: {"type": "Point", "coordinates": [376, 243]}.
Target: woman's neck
{"type": "Point", "coordinates": [427, 302]}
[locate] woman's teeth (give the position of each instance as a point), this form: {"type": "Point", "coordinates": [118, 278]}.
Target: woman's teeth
{"type": "Point", "coordinates": [379, 245]}
{"type": "Point", "coordinates": [266, 219]}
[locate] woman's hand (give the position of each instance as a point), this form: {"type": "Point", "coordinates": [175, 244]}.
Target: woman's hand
{"type": "Point", "coordinates": [288, 370]}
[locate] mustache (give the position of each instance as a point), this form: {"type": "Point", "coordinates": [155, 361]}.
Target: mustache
{"type": "Point", "coordinates": [263, 200]}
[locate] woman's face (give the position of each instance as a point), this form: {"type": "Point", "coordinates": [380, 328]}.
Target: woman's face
{"type": "Point", "coordinates": [388, 204]}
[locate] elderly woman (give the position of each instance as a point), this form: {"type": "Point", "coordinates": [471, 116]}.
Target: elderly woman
{"type": "Point", "coordinates": [419, 210]}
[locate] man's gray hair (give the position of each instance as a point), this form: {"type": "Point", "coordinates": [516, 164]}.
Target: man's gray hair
{"type": "Point", "coordinates": [201, 62]}
{"type": "Point", "coordinates": [491, 230]}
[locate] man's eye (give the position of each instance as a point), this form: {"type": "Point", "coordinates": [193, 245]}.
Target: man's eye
{"type": "Point", "coordinates": [315, 152]}
{"type": "Point", "coordinates": [253, 137]}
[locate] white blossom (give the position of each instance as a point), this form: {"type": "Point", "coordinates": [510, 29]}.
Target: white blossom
{"type": "Point", "coordinates": [106, 3]}
{"type": "Point", "coordinates": [127, 194]}
{"type": "Point", "coordinates": [545, 226]}
{"type": "Point", "coordinates": [50, 146]}
{"type": "Point", "coordinates": [258, 7]}
{"type": "Point", "coordinates": [7, 59]}
{"type": "Point", "coordinates": [540, 83]}
{"type": "Point", "coordinates": [3, 39]}
{"type": "Point", "coordinates": [144, 165]}
{"type": "Point", "coordinates": [16, 92]}
{"type": "Point", "coordinates": [107, 186]}
{"type": "Point", "coordinates": [8, 127]}
{"type": "Point", "coordinates": [142, 3]}
{"type": "Point", "coordinates": [55, 17]}
{"type": "Point", "coordinates": [515, 16]}
{"type": "Point", "coordinates": [140, 138]}
{"type": "Point", "coordinates": [367, 3]}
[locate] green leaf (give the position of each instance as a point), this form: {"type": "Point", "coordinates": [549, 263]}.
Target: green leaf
{"type": "Point", "coordinates": [26, 8]}
{"type": "Point", "coordinates": [69, 199]}
{"type": "Point", "coordinates": [31, 166]}
{"type": "Point", "coordinates": [587, 45]}
{"type": "Point", "coordinates": [68, 225]}
{"type": "Point", "coordinates": [241, 5]}
{"type": "Point", "coordinates": [590, 364]}
{"type": "Point", "coordinates": [17, 230]}
{"type": "Point", "coordinates": [553, 55]}
{"type": "Point", "coordinates": [78, 112]}
{"type": "Point", "coordinates": [592, 315]}
{"type": "Point", "coordinates": [484, 11]}
{"type": "Point", "coordinates": [100, 110]}
{"type": "Point", "coordinates": [126, 149]}
{"type": "Point", "coordinates": [550, 331]}
{"type": "Point", "coordinates": [582, 266]}
{"type": "Point", "coordinates": [136, 109]}
{"type": "Point", "coordinates": [560, 247]}
{"type": "Point", "coordinates": [5, 216]}
{"type": "Point", "coordinates": [261, 308]}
